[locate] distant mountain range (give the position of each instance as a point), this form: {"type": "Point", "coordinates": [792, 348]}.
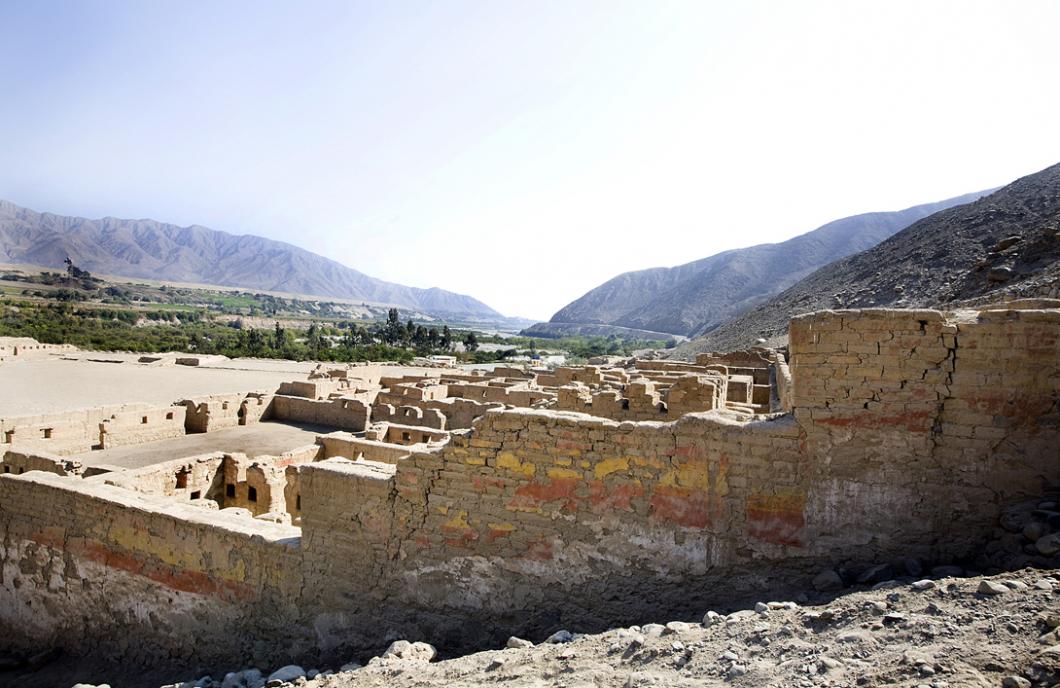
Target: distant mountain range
{"type": "Point", "coordinates": [154, 250]}
{"type": "Point", "coordinates": [697, 297]}
{"type": "Point", "coordinates": [1005, 245]}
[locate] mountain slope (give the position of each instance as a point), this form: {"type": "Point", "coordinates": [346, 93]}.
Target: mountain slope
{"type": "Point", "coordinates": [699, 296]}
{"type": "Point", "coordinates": [1005, 244]}
{"type": "Point", "coordinates": [155, 250]}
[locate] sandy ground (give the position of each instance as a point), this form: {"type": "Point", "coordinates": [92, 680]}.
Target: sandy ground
{"type": "Point", "coordinates": [269, 438]}
{"type": "Point", "coordinates": [54, 385]}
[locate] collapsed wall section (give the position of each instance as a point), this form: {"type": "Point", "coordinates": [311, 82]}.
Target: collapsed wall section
{"type": "Point", "coordinates": [92, 567]}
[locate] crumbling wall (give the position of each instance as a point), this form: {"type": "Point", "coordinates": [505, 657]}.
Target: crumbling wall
{"type": "Point", "coordinates": [91, 567]}
{"type": "Point", "coordinates": [68, 432]}
{"type": "Point", "coordinates": [346, 414]}
{"type": "Point", "coordinates": [27, 348]}
{"type": "Point", "coordinates": [410, 415]}
{"type": "Point", "coordinates": [209, 413]}
{"type": "Point", "coordinates": [142, 425]}
{"type": "Point", "coordinates": [18, 462]}
{"type": "Point", "coordinates": [199, 475]}
{"type": "Point", "coordinates": [347, 446]}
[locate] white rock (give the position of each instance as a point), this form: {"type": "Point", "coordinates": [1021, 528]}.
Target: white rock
{"type": "Point", "coordinates": [926, 584]}
{"type": "Point", "coordinates": [517, 643]}
{"type": "Point", "coordinates": [350, 666]}
{"type": "Point", "coordinates": [414, 652]}
{"type": "Point", "coordinates": [652, 630]}
{"type": "Point", "coordinates": [677, 627]}
{"type": "Point", "coordinates": [711, 618]}
{"type": "Point", "coordinates": [783, 605]}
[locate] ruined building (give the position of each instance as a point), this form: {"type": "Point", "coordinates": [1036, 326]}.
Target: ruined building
{"type": "Point", "coordinates": [327, 515]}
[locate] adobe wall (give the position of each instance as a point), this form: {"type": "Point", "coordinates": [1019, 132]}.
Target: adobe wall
{"type": "Point", "coordinates": [418, 414]}
{"type": "Point", "coordinates": [214, 412]}
{"type": "Point", "coordinates": [910, 430]}
{"type": "Point", "coordinates": [459, 413]}
{"type": "Point", "coordinates": [77, 431]}
{"type": "Point", "coordinates": [22, 461]}
{"type": "Point", "coordinates": [97, 568]}
{"type": "Point", "coordinates": [345, 414]}
{"type": "Point", "coordinates": [139, 426]}
{"type": "Point", "coordinates": [347, 446]}
{"type": "Point", "coordinates": [25, 348]}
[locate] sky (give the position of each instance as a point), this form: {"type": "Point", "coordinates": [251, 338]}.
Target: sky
{"type": "Point", "coordinates": [523, 151]}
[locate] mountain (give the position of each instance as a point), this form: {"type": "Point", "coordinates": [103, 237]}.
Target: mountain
{"type": "Point", "coordinates": [1005, 245]}
{"type": "Point", "coordinates": [159, 251]}
{"type": "Point", "coordinates": [699, 296]}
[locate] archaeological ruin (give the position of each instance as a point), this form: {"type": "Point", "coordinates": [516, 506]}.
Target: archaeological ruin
{"type": "Point", "coordinates": [228, 512]}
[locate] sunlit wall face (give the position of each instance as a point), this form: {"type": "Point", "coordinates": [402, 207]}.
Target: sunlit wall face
{"type": "Point", "coordinates": [519, 152]}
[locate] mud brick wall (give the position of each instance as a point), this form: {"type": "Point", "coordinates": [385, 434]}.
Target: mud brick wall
{"type": "Point", "coordinates": [346, 414]}
{"type": "Point", "coordinates": [415, 413]}
{"type": "Point", "coordinates": [459, 413]}
{"type": "Point", "coordinates": [139, 426]}
{"type": "Point", "coordinates": [925, 422]}
{"type": "Point", "coordinates": [527, 484]}
{"type": "Point", "coordinates": [92, 567]}
{"type": "Point", "coordinates": [69, 432]}
{"type": "Point", "coordinates": [909, 431]}
{"type": "Point", "coordinates": [21, 461]}
{"type": "Point", "coordinates": [205, 414]}
{"type": "Point", "coordinates": [347, 446]}
{"type": "Point", "coordinates": [175, 478]}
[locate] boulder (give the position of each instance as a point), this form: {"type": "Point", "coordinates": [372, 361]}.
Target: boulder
{"type": "Point", "coordinates": [1048, 545]}
{"type": "Point", "coordinates": [287, 674]}
{"type": "Point", "coordinates": [992, 588]}
{"type": "Point", "coordinates": [414, 652]}
{"type": "Point", "coordinates": [563, 636]}
{"type": "Point", "coordinates": [827, 580]}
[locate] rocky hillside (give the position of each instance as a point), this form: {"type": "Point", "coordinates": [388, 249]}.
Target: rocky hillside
{"type": "Point", "coordinates": [1005, 244]}
{"type": "Point", "coordinates": [697, 297]}
{"type": "Point", "coordinates": [155, 250]}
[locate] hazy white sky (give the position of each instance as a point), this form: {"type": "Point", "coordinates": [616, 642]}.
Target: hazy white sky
{"type": "Point", "coordinates": [522, 152]}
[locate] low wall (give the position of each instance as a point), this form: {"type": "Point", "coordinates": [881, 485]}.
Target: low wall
{"type": "Point", "coordinates": [209, 413]}
{"type": "Point", "coordinates": [18, 462]}
{"type": "Point", "coordinates": [68, 432]}
{"type": "Point", "coordinates": [410, 415]}
{"type": "Point", "coordinates": [140, 426]}
{"type": "Point", "coordinates": [347, 446]}
{"type": "Point", "coordinates": [96, 568]}
{"type": "Point", "coordinates": [345, 414]}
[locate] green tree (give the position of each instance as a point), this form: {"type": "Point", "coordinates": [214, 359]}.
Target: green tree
{"type": "Point", "coordinates": [471, 342]}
